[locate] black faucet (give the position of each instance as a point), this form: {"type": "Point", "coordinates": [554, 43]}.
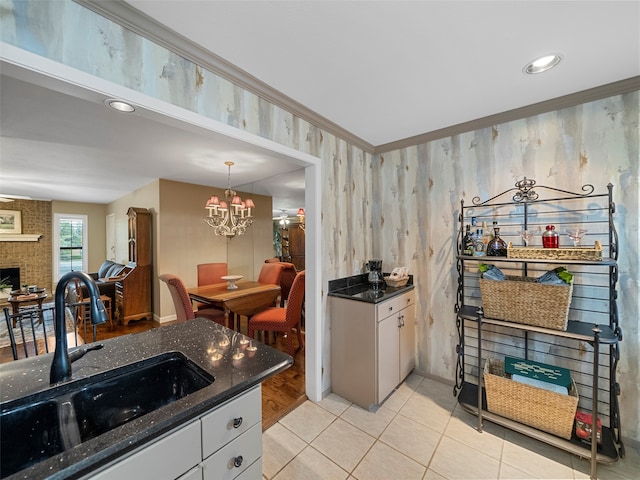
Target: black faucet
{"type": "Point", "coordinates": [61, 365]}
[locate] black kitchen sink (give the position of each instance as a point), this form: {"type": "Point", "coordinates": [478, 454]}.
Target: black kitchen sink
{"type": "Point", "coordinates": [45, 424]}
{"type": "Point", "coordinates": [28, 435]}
{"type": "Point", "coordinates": [119, 399]}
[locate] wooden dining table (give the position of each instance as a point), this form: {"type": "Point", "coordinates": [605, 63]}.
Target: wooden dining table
{"type": "Point", "coordinates": [249, 298]}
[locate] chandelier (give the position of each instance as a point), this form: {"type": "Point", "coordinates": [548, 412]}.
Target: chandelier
{"type": "Point", "coordinates": [300, 216]}
{"type": "Point", "coordinates": [231, 217]}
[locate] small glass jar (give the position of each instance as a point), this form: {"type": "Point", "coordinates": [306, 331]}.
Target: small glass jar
{"type": "Point", "coordinates": [550, 238]}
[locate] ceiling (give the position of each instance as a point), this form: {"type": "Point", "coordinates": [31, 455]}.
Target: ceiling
{"type": "Point", "coordinates": [382, 70]}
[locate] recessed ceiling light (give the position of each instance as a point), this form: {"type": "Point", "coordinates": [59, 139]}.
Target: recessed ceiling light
{"type": "Point", "coordinates": [119, 105]}
{"type": "Point", "coordinates": [542, 64]}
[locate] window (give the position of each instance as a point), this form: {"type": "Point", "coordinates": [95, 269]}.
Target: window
{"type": "Point", "coordinates": [70, 243]}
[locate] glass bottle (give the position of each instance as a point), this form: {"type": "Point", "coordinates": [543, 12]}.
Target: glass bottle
{"type": "Point", "coordinates": [497, 247]}
{"type": "Point", "coordinates": [467, 242]}
{"type": "Point", "coordinates": [479, 245]}
{"type": "Point", "coordinates": [550, 238]}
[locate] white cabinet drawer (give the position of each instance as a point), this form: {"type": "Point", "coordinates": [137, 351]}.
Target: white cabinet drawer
{"type": "Point", "coordinates": [167, 459]}
{"type": "Point", "coordinates": [254, 472]}
{"type": "Point", "coordinates": [236, 457]}
{"type": "Point", "coordinates": [231, 420]}
{"type": "Point", "coordinates": [395, 304]}
{"type": "Point", "coordinates": [194, 474]}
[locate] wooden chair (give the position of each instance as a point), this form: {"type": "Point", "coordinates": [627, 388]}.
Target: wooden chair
{"type": "Point", "coordinates": [31, 335]}
{"type": "Point", "coordinates": [278, 319]}
{"type": "Point", "coordinates": [182, 302]}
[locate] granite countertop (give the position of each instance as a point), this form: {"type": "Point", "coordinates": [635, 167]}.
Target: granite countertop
{"type": "Point", "coordinates": [194, 339]}
{"type": "Point", "coordinates": [357, 288]}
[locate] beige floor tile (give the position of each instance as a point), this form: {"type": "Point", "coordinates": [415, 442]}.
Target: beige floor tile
{"type": "Point", "coordinates": [507, 472]}
{"type": "Point", "coordinates": [454, 460]}
{"type": "Point", "coordinates": [536, 458]}
{"type": "Point", "coordinates": [334, 404]}
{"type": "Point", "coordinates": [440, 393]}
{"type": "Point", "coordinates": [308, 421]}
{"type": "Point", "coordinates": [422, 409]}
{"type": "Point", "coordinates": [311, 465]}
{"type": "Point", "coordinates": [384, 463]}
{"type": "Point", "coordinates": [279, 446]}
{"type": "Point", "coordinates": [372, 423]}
{"type": "Point", "coordinates": [398, 398]}
{"type": "Point", "coordinates": [344, 444]}
{"type": "Point", "coordinates": [431, 475]}
{"type": "Point", "coordinates": [413, 380]}
{"type": "Point", "coordinates": [465, 430]}
{"type": "Point", "coordinates": [412, 439]}
{"type": "Point", "coordinates": [627, 468]}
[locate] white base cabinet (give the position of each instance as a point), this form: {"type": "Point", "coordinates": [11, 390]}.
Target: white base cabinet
{"type": "Point", "coordinates": [224, 444]}
{"type": "Point", "coordinates": [372, 347]}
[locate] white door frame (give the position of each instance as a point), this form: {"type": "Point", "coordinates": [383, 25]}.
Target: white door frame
{"type": "Point", "coordinates": [50, 74]}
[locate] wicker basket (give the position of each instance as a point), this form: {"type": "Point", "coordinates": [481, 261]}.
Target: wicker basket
{"type": "Point", "coordinates": [566, 253]}
{"type": "Point", "coordinates": [523, 300]}
{"type": "Point", "coordinates": [542, 409]}
{"type": "Point", "coordinates": [396, 283]}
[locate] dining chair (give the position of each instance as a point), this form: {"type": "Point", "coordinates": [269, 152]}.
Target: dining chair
{"type": "Point", "coordinates": [210, 273]}
{"type": "Point", "coordinates": [182, 302]}
{"type": "Point", "coordinates": [35, 337]}
{"type": "Point", "coordinates": [278, 319]}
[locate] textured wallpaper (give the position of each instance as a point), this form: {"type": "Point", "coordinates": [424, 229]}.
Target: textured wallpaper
{"type": "Point", "coordinates": [401, 206]}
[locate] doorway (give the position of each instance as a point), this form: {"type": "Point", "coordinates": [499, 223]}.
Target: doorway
{"type": "Point", "coordinates": [30, 67]}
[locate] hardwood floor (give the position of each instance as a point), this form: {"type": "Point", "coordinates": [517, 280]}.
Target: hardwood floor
{"type": "Point", "coordinates": [280, 394]}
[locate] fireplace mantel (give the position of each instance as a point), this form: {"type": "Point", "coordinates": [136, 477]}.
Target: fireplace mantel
{"type": "Point", "coordinates": [20, 237]}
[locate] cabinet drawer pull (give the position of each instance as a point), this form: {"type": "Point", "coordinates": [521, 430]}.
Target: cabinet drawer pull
{"type": "Point", "coordinates": [237, 422]}
{"type": "Point", "coordinates": [237, 461]}
{"type": "Point", "coordinates": [391, 309]}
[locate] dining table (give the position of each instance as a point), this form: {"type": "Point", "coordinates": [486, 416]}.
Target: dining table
{"type": "Point", "coordinates": [247, 299]}
{"type": "Point", "coordinates": [19, 300]}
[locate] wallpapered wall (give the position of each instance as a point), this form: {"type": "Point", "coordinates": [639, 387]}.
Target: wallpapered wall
{"type": "Point", "coordinates": [418, 204]}
{"type": "Point", "coordinates": [400, 206]}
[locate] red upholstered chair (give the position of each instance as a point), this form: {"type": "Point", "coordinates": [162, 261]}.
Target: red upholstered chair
{"type": "Point", "coordinates": [287, 277]}
{"type": "Point", "coordinates": [270, 273]}
{"type": "Point", "coordinates": [210, 273]}
{"type": "Point", "coordinates": [182, 302]}
{"type": "Point", "coordinates": [277, 319]}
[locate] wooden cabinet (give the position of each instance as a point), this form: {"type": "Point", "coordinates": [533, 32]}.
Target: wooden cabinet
{"type": "Point", "coordinates": [372, 347]}
{"type": "Point", "coordinates": [133, 292]}
{"type": "Point", "coordinates": [296, 247]}
{"type": "Point", "coordinates": [223, 444]}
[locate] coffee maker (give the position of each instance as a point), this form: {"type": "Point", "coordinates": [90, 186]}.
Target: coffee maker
{"type": "Point", "coordinates": [375, 278]}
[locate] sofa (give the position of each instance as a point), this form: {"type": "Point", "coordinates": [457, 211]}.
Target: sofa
{"type": "Point", "coordinates": [106, 277]}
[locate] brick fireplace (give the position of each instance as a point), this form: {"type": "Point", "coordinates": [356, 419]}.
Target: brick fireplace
{"type": "Point", "coordinates": [34, 259]}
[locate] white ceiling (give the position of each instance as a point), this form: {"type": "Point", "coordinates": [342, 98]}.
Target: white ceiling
{"type": "Point", "coordinates": [389, 70]}
{"type": "Point", "coordinates": [382, 70]}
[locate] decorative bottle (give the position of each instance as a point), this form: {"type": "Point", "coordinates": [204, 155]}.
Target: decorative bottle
{"type": "Point", "coordinates": [497, 247]}
{"type": "Point", "coordinates": [467, 242]}
{"type": "Point", "coordinates": [479, 246]}
{"type": "Point", "coordinates": [550, 238]}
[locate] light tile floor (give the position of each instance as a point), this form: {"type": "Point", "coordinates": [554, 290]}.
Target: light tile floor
{"type": "Point", "coordinates": [421, 433]}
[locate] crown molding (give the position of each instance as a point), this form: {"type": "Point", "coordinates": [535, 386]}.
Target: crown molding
{"type": "Point", "coordinates": [132, 19]}
{"type": "Point", "coordinates": [609, 90]}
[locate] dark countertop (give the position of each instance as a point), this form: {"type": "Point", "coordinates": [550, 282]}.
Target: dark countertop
{"type": "Point", "coordinates": [357, 288]}
{"type": "Point", "coordinates": [193, 338]}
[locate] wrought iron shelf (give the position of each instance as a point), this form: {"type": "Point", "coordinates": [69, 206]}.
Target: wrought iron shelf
{"type": "Point", "coordinates": [607, 451]}
{"type": "Point", "coordinates": [575, 330]}
{"type": "Point", "coordinates": [605, 262]}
